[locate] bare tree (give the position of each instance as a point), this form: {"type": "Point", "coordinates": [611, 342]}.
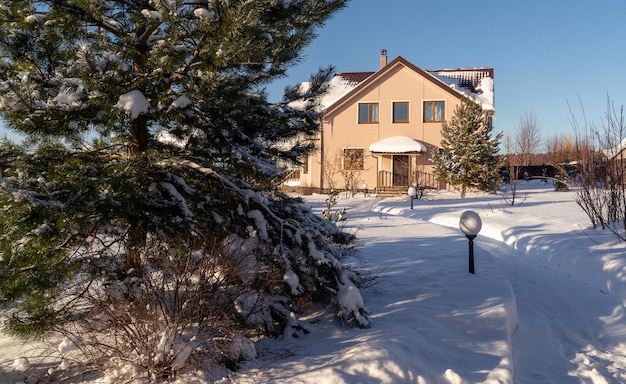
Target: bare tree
{"type": "Point", "coordinates": [560, 150]}
{"type": "Point", "coordinates": [347, 163]}
{"type": "Point", "coordinates": [527, 138]}
{"type": "Point", "coordinates": [511, 169]}
{"type": "Point", "coordinates": [601, 181]}
{"type": "Point", "coordinates": [352, 168]}
{"type": "Point", "coordinates": [330, 167]}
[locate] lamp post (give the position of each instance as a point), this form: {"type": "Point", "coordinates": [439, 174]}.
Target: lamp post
{"type": "Point", "coordinates": [470, 224]}
{"type": "Point", "coordinates": [412, 192]}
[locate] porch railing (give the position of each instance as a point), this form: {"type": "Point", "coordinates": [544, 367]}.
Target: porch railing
{"type": "Point", "coordinates": [424, 179]}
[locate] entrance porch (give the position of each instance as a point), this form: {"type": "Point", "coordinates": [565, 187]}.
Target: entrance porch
{"type": "Point", "coordinates": [402, 162]}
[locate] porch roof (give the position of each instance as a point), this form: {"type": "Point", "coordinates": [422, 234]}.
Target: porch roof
{"type": "Point", "coordinates": [398, 144]}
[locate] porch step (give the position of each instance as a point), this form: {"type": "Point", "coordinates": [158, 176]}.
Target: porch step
{"type": "Point", "coordinates": [391, 191]}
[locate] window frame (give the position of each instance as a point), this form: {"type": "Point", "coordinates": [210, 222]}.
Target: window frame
{"type": "Point", "coordinates": [433, 110]}
{"type": "Point", "coordinates": [369, 113]}
{"type": "Point", "coordinates": [358, 161]}
{"type": "Point", "coordinates": [393, 112]}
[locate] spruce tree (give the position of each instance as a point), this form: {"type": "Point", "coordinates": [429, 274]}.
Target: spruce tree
{"type": "Point", "coordinates": [468, 153]}
{"type": "Point", "coordinates": [146, 181]}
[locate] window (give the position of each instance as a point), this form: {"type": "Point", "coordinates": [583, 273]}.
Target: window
{"type": "Point", "coordinates": [368, 113]}
{"type": "Point", "coordinates": [353, 159]}
{"type": "Point", "coordinates": [401, 112]}
{"type": "Point", "coordinates": [434, 111]}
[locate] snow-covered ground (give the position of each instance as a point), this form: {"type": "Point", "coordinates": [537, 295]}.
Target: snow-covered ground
{"type": "Point", "coordinates": [546, 304]}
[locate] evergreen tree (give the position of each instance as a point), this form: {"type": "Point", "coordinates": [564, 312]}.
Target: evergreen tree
{"type": "Point", "coordinates": [468, 153]}
{"type": "Point", "coordinates": [145, 182]}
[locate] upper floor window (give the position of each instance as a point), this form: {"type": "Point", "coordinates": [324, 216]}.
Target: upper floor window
{"type": "Point", "coordinates": [353, 159]}
{"type": "Point", "coordinates": [368, 113]}
{"type": "Point", "coordinates": [401, 112]}
{"type": "Point", "coordinates": [434, 111]}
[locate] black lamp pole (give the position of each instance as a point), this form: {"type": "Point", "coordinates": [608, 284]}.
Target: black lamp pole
{"type": "Point", "coordinates": [471, 252]}
{"type": "Point", "coordinates": [412, 192]}
{"type": "Point", "coordinates": [470, 224]}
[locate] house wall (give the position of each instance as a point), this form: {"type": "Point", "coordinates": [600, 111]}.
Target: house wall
{"type": "Point", "coordinates": [342, 130]}
{"type": "Point", "coordinates": [306, 175]}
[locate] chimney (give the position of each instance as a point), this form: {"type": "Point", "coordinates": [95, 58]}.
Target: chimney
{"type": "Point", "coordinates": [383, 58]}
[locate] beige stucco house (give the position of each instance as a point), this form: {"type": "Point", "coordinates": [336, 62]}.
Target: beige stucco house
{"type": "Point", "coordinates": [380, 127]}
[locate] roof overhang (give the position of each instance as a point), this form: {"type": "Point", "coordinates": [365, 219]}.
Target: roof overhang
{"type": "Point", "coordinates": [398, 144]}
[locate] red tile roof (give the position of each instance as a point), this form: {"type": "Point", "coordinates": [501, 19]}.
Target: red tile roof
{"type": "Point", "coordinates": [355, 77]}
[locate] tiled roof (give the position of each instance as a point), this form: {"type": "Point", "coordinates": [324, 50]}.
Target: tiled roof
{"type": "Point", "coordinates": [355, 77]}
{"type": "Point", "coordinates": [468, 78]}
{"type": "Point", "coordinates": [463, 77]}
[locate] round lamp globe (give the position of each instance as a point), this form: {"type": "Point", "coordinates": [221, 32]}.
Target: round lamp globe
{"type": "Point", "coordinates": [470, 223]}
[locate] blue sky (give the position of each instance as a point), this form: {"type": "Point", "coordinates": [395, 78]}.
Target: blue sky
{"type": "Point", "coordinates": [546, 54]}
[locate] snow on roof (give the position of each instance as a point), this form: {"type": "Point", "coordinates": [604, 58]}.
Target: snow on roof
{"type": "Point", "coordinates": [478, 81]}
{"type": "Point", "coordinates": [485, 96]}
{"type": "Point", "coordinates": [397, 144]}
{"type": "Point", "coordinates": [338, 86]}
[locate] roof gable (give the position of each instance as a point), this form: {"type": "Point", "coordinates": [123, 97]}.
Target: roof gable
{"type": "Point", "coordinates": [457, 82]}
{"type": "Point", "coordinates": [373, 77]}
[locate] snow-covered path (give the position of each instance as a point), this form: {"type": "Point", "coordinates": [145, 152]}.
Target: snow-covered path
{"type": "Point", "coordinates": [538, 277]}
{"type": "Point", "coordinates": [568, 282]}
{"type": "Point", "coordinates": [568, 332]}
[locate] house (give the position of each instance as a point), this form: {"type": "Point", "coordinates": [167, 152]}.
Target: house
{"type": "Point", "coordinates": [380, 128]}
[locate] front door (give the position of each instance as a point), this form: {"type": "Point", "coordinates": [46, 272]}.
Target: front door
{"type": "Point", "coordinates": [400, 170]}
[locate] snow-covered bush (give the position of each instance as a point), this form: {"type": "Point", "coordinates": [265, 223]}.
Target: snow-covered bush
{"type": "Point", "coordinates": [339, 214]}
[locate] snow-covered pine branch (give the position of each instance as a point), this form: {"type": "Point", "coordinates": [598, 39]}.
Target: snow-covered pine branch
{"type": "Point", "coordinates": [144, 193]}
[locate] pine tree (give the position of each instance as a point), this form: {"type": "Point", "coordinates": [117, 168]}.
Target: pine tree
{"type": "Point", "coordinates": [468, 153]}
{"type": "Point", "coordinates": [145, 182]}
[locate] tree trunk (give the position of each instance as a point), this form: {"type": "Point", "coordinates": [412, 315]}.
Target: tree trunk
{"type": "Point", "coordinates": [139, 132]}
{"type": "Point", "coordinates": [136, 240]}
{"type": "Point", "coordinates": [135, 244]}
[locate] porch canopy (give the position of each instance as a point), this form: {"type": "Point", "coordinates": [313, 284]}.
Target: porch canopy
{"type": "Point", "coordinates": [398, 144]}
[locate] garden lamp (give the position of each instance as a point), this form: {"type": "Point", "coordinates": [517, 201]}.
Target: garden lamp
{"type": "Point", "coordinates": [470, 225]}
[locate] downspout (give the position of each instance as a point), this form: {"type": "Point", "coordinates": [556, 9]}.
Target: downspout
{"type": "Point", "coordinates": [322, 156]}
{"type": "Point", "coordinates": [377, 171]}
